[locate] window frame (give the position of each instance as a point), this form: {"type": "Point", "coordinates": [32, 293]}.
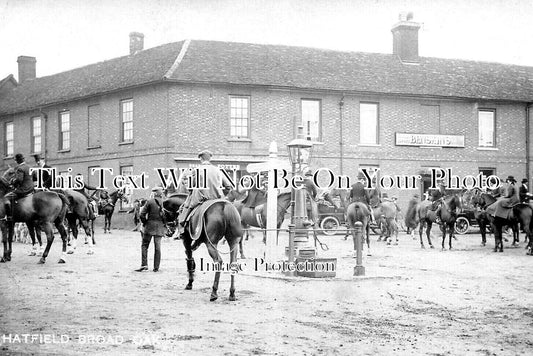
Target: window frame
{"type": "Point", "coordinates": [247, 119]}
{"type": "Point", "coordinates": [377, 126]}
{"type": "Point", "coordinates": [122, 122]}
{"type": "Point", "coordinates": [127, 193]}
{"type": "Point", "coordinates": [493, 111]}
{"type": "Point", "coordinates": [8, 140]}
{"type": "Point", "coordinates": [319, 124]}
{"type": "Point", "coordinates": [61, 136]}
{"type": "Point", "coordinates": [33, 136]}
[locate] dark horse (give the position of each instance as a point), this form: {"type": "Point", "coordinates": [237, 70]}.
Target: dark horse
{"type": "Point", "coordinates": [37, 210]}
{"type": "Point", "coordinates": [108, 207]}
{"type": "Point", "coordinates": [521, 213]}
{"type": "Point", "coordinates": [79, 213]}
{"type": "Point", "coordinates": [426, 217]}
{"type": "Point", "coordinates": [221, 220]}
{"type": "Point", "coordinates": [359, 212]}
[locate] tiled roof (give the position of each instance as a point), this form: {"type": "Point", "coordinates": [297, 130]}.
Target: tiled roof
{"type": "Point", "coordinates": [280, 66]}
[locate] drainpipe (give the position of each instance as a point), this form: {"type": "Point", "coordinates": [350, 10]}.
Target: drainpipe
{"type": "Point", "coordinates": [341, 141]}
{"type": "Point", "coordinates": [528, 143]}
{"type": "Point", "coordinates": [44, 134]}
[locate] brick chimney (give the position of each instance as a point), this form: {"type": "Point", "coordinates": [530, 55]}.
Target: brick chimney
{"type": "Point", "coordinates": [136, 42]}
{"type": "Point", "coordinates": [26, 68]}
{"type": "Point", "coordinates": [405, 38]}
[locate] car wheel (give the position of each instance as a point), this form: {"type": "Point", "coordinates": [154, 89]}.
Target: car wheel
{"type": "Point", "coordinates": [330, 225]}
{"type": "Point", "coordinates": [462, 225]}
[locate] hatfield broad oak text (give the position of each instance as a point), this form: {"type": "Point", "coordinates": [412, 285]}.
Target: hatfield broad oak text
{"type": "Point", "coordinates": [323, 178]}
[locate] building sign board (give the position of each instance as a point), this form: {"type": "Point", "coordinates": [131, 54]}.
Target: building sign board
{"type": "Point", "coordinates": [409, 139]}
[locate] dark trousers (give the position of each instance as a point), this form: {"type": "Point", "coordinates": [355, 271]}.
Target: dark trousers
{"type": "Point", "coordinates": [144, 250]}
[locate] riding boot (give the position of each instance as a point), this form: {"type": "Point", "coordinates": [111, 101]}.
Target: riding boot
{"type": "Point", "coordinates": [438, 220]}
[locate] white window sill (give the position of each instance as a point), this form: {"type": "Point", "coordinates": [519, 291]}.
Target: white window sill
{"type": "Point", "coordinates": [369, 145]}
{"type": "Point", "coordinates": [487, 149]}
{"type": "Point", "coordinates": [239, 139]}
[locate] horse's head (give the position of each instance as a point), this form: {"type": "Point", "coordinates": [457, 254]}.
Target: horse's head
{"type": "Point", "coordinates": [9, 174]}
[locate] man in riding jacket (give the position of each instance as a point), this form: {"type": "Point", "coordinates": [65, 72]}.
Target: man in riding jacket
{"type": "Point", "coordinates": [437, 196]}
{"type": "Point", "coordinates": [510, 198]}
{"type": "Point", "coordinates": [46, 176]}
{"type": "Point", "coordinates": [154, 226]}
{"type": "Point", "coordinates": [206, 174]}
{"type": "Point", "coordinates": [359, 194]}
{"type": "Point", "coordinates": [524, 193]}
{"type": "Point", "coordinates": [22, 182]}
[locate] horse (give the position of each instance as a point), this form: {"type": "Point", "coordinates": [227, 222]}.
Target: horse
{"type": "Point", "coordinates": [386, 213]}
{"type": "Point", "coordinates": [37, 210]}
{"type": "Point", "coordinates": [359, 212]}
{"type": "Point", "coordinates": [427, 217]}
{"type": "Point", "coordinates": [256, 217]}
{"type": "Point", "coordinates": [221, 220]}
{"type": "Point", "coordinates": [108, 207]}
{"type": "Point", "coordinates": [79, 212]}
{"type": "Point", "coordinates": [521, 213]}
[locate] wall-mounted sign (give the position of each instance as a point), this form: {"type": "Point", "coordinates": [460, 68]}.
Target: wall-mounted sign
{"type": "Point", "coordinates": [408, 139]}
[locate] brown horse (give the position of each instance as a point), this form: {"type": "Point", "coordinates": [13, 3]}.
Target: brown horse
{"type": "Point", "coordinates": [427, 217]}
{"type": "Point", "coordinates": [385, 215]}
{"type": "Point", "coordinates": [78, 212]}
{"type": "Point", "coordinates": [37, 210]}
{"type": "Point", "coordinates": [108, 207]}
{"type": "Point", "coordinates": [521, 214]}
{"type": "Point", "coordinates": [221, 220]}
{"type": "Point", "coordinates": [358, 212]}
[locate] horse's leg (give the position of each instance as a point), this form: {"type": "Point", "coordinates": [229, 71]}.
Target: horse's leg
{"type": "Point", "coordinates": [5, 239]}
{"type": "Point", "coordinates": [87, 229]}
{"type": "Point", "coordinates": [218, 265]}
{"type": "Point", "coordinates": [92, 231]}
{"type": "Point", "coordinates": [483, 231]}
{"type": "Point", "coordinates": [233, 260]}
{"type": "Point", "coordinates": [191, 265]}
{"type": "Point", "coordinates": [497, 230]}
{"type": "Point", "coordinates": [452, 235]}
{"type": "Point", "coordinates": [71, 221]}
{"type": "Point", "coordinates": [428, 233]}
{"type": "Point", "coordinates": [47, 228]}
{"type": "Point", "coordinates": [421, 232]}
{"type": "Point", "coordinates": [63, 233]}
{"type": "Point", "coordinates": [32, 231]}
{"type": "Point", "coordinates": [241, 250]}
{"type": "Point", "coordinates": [368, 253]}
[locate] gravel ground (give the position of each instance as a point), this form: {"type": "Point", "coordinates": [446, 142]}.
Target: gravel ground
{"type": "Point", "coordinates": [467, 301]}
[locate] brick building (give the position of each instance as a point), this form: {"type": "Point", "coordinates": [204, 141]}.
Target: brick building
{"type": "Point", "coordinates": [158, 107]}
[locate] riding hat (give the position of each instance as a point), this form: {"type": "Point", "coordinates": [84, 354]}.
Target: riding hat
{"type": "Point", "coordinates": [206, 154]}
{"type": "Point", "coordinates": [510, 178]}
{"type": "Point", "coordinates": [524, 180]}
{"type": "Point", "coordinates": [37, 157]}
{"type": "Point", "coordinates": [19, 158]}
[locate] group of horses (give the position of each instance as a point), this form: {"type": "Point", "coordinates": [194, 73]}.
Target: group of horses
{"type": "Point", "coordinates": [420, 214]}
{"type": "Point", "coordinates": [44, 209]}
{"type": "Point", "coordinates": [224, 219]}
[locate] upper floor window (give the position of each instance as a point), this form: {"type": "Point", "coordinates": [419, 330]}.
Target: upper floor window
{"type": "Point", "coordinates": [239, 116]}
{"type": "Point", "coordinates": [9, 139]}
{"type": "Point", "coordinates": [311, 119]}
{"type": "Point", "coordinates": [369, 123]}
{"type": "Point", "coordinates": [126, 120]}
{"type": "Point", "coordinates": [486, 127]}
{"type": "Point", "coordinates": [64, 130]}
{"type": "Point", "coordinates": [36, 134]}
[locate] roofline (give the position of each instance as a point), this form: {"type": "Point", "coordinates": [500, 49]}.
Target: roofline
{"type": "Point", "coordinates": [270, 87]}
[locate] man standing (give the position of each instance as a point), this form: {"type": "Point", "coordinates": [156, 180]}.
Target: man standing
{"type": "Point", "coordinates": [524, 193]}
{"type": "Point", "coordinates": [210, 180]}
{"type": "Point", "coordinates": [45, 174]}
{"type": "Point", "coordinates": [151, 216]}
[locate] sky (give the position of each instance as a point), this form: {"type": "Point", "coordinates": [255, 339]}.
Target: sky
{"type": "Point", "coordinates": [66, 34]}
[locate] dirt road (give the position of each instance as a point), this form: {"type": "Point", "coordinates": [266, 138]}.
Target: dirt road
{"type": "Point", "coordinates": [468, 301]}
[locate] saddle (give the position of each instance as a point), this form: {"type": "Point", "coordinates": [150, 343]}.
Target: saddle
{"type": "Point", "coordinates": [195, 221]}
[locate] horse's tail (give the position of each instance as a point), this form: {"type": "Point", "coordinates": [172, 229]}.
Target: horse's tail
{"type": "Point", "coordinates": [232, 220]}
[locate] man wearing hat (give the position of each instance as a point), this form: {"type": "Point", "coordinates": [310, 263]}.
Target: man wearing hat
{"type": "Point", "coordinates": [22, 181]}
{"type": "Point", "coordinates": [46, 176]}
{"type": "Point", "coordinates": [437, 196]}
{"type": "Point", "coordinates": [360, 195]}
{"type": "Point", "coordinates": [151, 216]}
{"type": "Point", "coordinates": [510, 198]}
{"type": "Point", "coordinates": [213, 179]}
{"type": "Point", "coordinates": [523, 192]}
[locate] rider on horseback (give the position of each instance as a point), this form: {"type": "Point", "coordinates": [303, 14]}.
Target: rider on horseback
{"type": "Point", "coordinates": [213, 180]}
{"type": "Point", "coordinates": [437, 196]}
{"type": "Point", "coordinates": [22, 181]}
{"type": "Point", "coordinates": [46, 176]}
{"type": "Point", "coordinates": [93, 208]}
{"type": "Point", "coordinates": [359, 194]}
{"type": "Point", "coordinates": [504, 204]}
